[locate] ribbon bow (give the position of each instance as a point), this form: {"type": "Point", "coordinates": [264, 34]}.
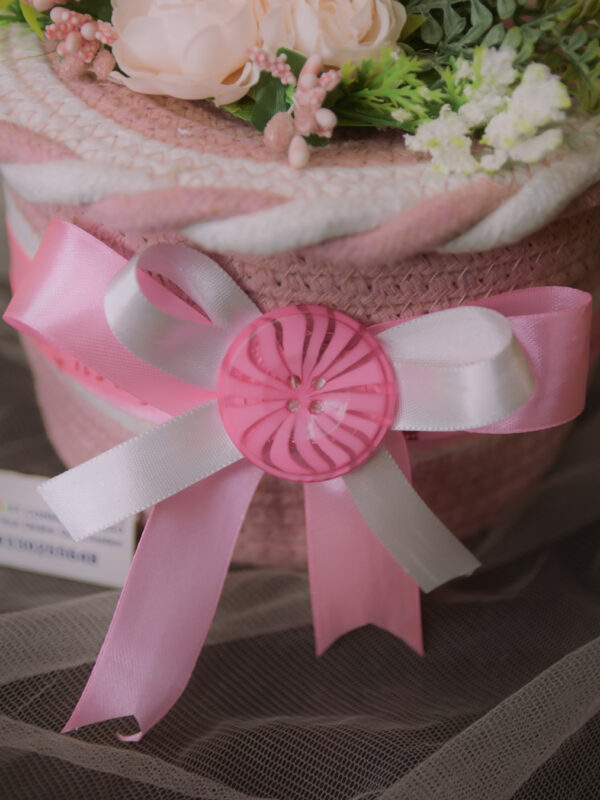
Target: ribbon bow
{"type": "Point", "coordinates": [305, 393]}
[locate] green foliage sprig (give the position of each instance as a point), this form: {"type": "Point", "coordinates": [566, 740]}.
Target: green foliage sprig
{"type": "Point", "coordinates": [391, 91]}
{"type": "Point", "coordinates": [17, 11]}
{"type": "Point", "coordinates": [563, 34]}
{"type": "Point", "coordinates": [405, 88]}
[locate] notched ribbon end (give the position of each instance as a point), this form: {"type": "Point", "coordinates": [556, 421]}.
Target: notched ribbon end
{"type": "Point", "coordinates": [133, 737]}
{"type": "Point", "coordinates": [82, 717]}
{"type": "Point", "coordinates": [467, 566]}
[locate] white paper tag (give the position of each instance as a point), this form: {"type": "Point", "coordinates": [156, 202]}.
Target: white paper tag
{"type": "Point", "coordinates": [32, 538]}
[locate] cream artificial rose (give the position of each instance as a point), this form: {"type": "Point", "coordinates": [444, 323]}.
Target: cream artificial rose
{"type": "Point", "coordinates": [337, 30]}
{"type": "Point", "coordinates": [192, 49]}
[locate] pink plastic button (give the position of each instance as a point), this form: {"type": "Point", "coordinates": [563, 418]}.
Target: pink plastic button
{"type": "Point", "coordinates": [306, 393]}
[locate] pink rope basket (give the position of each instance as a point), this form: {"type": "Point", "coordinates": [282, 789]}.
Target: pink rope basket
{"type": "Point", "coordinates": [392, 270]}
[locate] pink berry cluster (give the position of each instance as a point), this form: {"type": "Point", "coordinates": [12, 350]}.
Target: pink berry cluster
{"type": "Point", "coordinates": [276, 65]}
{"type": "Point", "coordinates": [82, 41]}
{"type": "Point", "coordinates": [286, 130]}
{"type": "Point", "coordinates": [313, 85]}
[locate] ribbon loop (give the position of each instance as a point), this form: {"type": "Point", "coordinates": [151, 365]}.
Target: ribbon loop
{"type": "Point", "coordinates": [457, 369]}
{"type": "Point", "coordinates": [191, 350]}
{"type": "Point", "coordinates": [553, 325]}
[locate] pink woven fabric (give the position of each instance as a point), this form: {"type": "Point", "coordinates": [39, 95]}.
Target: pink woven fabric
{"type": "Point", "coordinates": [18, 145]}
{"type": "Point", "coordinates": [172, 208]}
{"type": "Point", "coordinates": [563, 253]}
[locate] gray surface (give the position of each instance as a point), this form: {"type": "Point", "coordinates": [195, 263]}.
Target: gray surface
{"type": "Point", "coordinates": [23, 442]}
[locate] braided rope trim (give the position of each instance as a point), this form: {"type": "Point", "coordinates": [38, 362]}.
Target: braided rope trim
{"type": "Point", "coordinates": [318, 204]}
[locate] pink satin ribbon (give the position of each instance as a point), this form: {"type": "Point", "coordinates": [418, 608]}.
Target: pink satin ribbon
{"type": "Point", "coordinates": [170, 596]}
{"type": "Point", "coordinates": [168, 602]}
{"type": "Point", "coordinates": [353, 580]}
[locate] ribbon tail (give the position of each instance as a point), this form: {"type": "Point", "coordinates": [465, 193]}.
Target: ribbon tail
{"type": "Point", "coordinates": [404, 525]}
{"type": "Point", "coordinates": [354, 581]}
{"type": "Point", "coordinates": [168, 602]}
{"type": "Point", "coordinates": [140, 472]}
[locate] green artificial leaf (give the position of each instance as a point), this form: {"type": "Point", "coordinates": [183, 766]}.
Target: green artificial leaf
{"type": "Point", "coordinates": [513, 38]}
{"type": "Point", "coordinates": [241, 108]}
{"type": "Point", "coordinates": [526, 52]}
{"type": "Point", "coordinates": [269, 98]}
{"type": "Point", "coordinates": [506, 8]}
{"type": "Point", "coordinates": [495, 35]}
{"type": "Point", "coordinates": [30, 17]}
{"type": "Point", "coordinates": [591, 51]}
{"type": "Point", "coordinates": [412, 24]}
{"type": "Point", "coordinates": [578, 39]}
{"type": "Point", "coordinates": [553, 60]}
{"type": "Point", "coordinates": [453, 23]}
{"type": "Point", "coordinates": [362, 119]}
{"type": "Point", "coordinates": [431, 31]}
{"type": "Point", "coordinates": [98, 9]}
{"type": "Point", "coordinates": [317, 141]}
{"type": "Point", "coordinates": [289, 94]}
{"type": "Point", "coordinates": [373, 91]}
{"type": "Point", "coordinates": [295, 60]}
{"type": "Point", "coordinates": [481, 18]}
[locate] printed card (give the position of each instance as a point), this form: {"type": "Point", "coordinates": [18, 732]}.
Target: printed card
{"type": "Point", "coordinates": [32, 538]}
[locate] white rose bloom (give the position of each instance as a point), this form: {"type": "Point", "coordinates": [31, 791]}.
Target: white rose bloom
{"type": "Point", "coordinates": [339, 31]}
{"type": "Point", "coordinates": [192, 49]}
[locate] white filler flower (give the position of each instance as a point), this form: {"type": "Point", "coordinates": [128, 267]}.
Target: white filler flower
{"type": "Point", "coordinates": [516, 115]}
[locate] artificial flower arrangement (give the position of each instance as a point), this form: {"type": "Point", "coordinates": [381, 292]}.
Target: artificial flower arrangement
{"type": "Point", "coordinates": [475, 84]}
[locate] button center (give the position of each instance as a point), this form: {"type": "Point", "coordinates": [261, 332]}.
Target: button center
{"type": "Point", "coordinates": [306, 393]}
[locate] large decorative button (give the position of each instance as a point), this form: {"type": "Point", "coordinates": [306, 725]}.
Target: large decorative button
{"type": "Point", "coordinates": [306, 393]}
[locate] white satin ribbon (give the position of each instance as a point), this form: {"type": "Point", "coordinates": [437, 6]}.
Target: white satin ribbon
{"type": "Point", "coordinates": [140, 472]}
{"type": "Point", "coordinates": [405, 526]}
{"type": "Point", "coordinates": [456, 369]}
{"type": "Point", "coordinates": [189, 350]}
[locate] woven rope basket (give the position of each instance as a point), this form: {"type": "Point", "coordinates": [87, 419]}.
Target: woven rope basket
{"type": "Point", "coordinates": [367, 229]}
